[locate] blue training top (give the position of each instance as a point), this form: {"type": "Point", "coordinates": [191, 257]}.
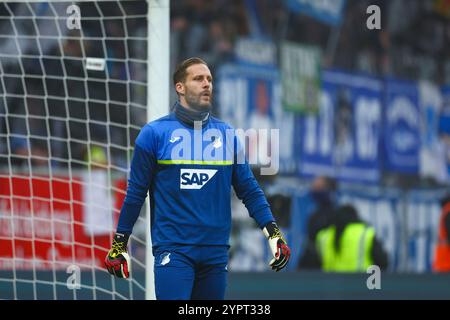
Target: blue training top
{"type": "Point", "coordinates": [189, 174]}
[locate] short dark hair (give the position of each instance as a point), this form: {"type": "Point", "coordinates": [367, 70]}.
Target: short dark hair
{"type": "Point", "coordinates": [347, 210]}
{"type": "Point", "coordinates": [180, 72]}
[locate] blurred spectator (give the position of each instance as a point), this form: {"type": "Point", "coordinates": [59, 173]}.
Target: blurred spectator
{"type": "Point", "coordinates": [349, 244]}
{"type": "Point", "coordinates": [219, 47]}
{"type": "Point", "coordinates": [442, 250]}
{"type": "Point", "coordinates": [19, 151]}
{"type": "Point", "coordinates": [206, 28]}
{"type": "Point", "coordinates": [28, 134]}
{"type": "Point", "coordinates": [322, 193]}
{"type": "Point", "coordinates": [96, 158]}
{"type": "Point", "coordinates": [23, 150]}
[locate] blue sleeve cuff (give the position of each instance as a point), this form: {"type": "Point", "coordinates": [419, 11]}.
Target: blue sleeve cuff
{"type": "Point", "coordinates": [128, 216]}
{"type": "Point", "coordinates": [263, 217]}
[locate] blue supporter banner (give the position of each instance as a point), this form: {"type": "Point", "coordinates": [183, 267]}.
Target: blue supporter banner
{"type": "Point", "coordinates": [249, 98]}
{"type": "Point", "coordinates": [444, 119]}
{"type": "Point", "coordinates": [444, 126]}
{"type": "Point", "coordinates": [342, 141]}
{"type": "Point", "coordinates": [405, 222]}
{"type": "Point", "coordinates": [327, 11]}
{"type": "Point", "coordinates": [421, 225]}
{"type": "Point", "coordinates": [401, 132]}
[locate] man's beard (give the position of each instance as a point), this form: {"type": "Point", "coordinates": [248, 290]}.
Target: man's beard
{"type": "Point", "coordinates": [194, 101]}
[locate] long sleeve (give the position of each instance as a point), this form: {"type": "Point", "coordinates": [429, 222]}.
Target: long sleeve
{"type": "Point", "coordinates": [248, 190]}
{"type": "Point", "coordinates": [142, 169]}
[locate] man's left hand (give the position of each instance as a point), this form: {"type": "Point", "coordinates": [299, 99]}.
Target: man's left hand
{"type": "Point", "coordinates": [278, 246]}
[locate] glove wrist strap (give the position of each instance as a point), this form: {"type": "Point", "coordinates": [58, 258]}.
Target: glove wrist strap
{"type": "Point", "coordinates": [120, 242]}
{"type": "Point", "coordinates": [271, 230]}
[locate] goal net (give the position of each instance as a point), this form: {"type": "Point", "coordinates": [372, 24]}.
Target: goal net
{"type": "Point", "coordinates": [73, 84]}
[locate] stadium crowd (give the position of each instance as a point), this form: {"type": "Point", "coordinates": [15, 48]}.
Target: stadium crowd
{"type": "Point", "coordinates": [50, 109]}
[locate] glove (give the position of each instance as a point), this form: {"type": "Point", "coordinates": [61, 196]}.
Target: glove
{"type": "Point", "coordinates": [118, 262]}
{"type": "Point", "coordinates": [278, 246]}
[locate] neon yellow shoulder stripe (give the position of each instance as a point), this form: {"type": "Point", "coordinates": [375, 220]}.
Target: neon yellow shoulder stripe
{"type": "Point", "coordinates": [200, 162]}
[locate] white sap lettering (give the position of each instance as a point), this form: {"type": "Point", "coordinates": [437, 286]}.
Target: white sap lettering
{"type": "Point", "coordinates": [195, 178]}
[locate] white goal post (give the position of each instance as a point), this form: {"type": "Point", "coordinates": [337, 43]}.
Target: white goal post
{"type": "Point", "coordinates": [158, 80]}
{"type": "Point", "coordinates": [78, 79]}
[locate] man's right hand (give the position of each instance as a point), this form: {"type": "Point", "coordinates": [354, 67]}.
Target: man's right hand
{"type": "Point", "coordinates": [118, 262]}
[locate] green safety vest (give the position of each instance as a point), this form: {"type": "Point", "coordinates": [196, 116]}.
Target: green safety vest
{"type": "Point", "coordinates": [355, 248]}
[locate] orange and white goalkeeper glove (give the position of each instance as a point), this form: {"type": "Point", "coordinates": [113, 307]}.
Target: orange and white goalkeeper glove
{"type": "Point", "coordinates": [278, 246]}
{"type": "Point", "coordinates": [118, 262]}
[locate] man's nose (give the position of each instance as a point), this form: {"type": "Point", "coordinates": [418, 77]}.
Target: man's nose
{"type": "Point", "coordinates": [206, 83]}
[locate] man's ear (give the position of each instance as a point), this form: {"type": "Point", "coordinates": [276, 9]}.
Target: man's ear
{"type": "Point", "coordinates": [179, 88]}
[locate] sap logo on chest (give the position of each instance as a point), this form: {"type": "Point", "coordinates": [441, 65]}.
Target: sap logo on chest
{"type": "Point", "coordinates": [195, 178]}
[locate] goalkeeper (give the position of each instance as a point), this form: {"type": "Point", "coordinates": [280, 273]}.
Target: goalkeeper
{"type": "Point", "coordinates": [190, 198]}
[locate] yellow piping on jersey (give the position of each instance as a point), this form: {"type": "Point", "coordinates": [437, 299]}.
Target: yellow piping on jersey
{"type": "Point", "coordinates": [200, 162]}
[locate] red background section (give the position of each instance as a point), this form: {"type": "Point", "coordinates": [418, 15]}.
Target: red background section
{"type": "Point", "coordinates": [41, 222]}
